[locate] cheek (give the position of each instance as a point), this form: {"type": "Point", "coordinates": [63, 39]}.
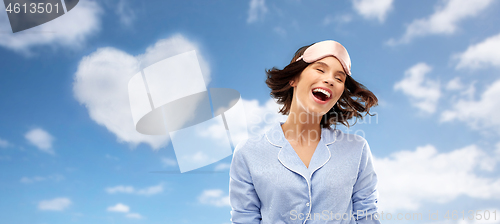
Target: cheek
{"type": "Point", "coordinates": [303, 90]}
{"type": "Point", "coordinates": [340, 90]}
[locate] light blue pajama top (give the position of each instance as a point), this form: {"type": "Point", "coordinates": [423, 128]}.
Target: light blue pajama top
{"type": "Point", "coordinates": [270, 184]}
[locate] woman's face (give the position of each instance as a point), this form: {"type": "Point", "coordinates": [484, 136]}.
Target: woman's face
{"type": "Point", "coordinates": [319, 86]}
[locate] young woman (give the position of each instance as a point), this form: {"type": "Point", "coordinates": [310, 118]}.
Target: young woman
{"type": "Point", "coordinates": [302, 170]}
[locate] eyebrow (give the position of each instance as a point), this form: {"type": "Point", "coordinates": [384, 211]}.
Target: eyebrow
{"type": "Point", "coordinates": [324, 64]}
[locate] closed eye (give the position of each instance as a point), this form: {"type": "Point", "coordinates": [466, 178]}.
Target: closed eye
{"type": "Point", "coordinates": [320, 70]}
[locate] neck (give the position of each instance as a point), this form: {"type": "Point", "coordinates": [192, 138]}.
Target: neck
{"type": "Point", "coordinates": [302, 128]}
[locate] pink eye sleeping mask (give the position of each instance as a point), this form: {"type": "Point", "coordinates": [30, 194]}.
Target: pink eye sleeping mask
{"type": "Point", "coordinates": [326, 48]}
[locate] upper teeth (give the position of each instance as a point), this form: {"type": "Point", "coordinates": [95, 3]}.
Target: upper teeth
{"type": "Point", "coordinates": [322, 91]}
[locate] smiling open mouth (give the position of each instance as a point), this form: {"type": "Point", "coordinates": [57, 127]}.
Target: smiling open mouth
{"type": "Point", "coordinates": [321, 94]}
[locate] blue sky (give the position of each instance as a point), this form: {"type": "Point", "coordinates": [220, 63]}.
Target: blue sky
{"type": "Point", "coordinates": [69, 152]}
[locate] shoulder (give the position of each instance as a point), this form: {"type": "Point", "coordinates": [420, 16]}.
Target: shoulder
{"type": "Point", "coordinates": [337, 135]}
{"type": "Point", "coordinates": [347, 139]}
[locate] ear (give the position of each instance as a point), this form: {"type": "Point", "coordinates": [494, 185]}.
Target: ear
{"type": "Point", "coordinates": [292, 83]}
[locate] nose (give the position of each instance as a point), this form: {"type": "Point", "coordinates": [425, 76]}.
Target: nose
{"type": "Point", "coordinates": [328, 83]}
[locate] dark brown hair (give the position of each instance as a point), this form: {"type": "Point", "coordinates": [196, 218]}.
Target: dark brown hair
{"type": "Point", "coordinates": [355, 99]}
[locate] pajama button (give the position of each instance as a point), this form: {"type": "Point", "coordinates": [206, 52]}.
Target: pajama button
{"type": "Point", "coordinates": [307, 204]}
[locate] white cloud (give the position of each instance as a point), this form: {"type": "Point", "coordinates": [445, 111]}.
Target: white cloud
{"type": "Point", "coordinates": [70, 30]}
{"type": "Point", "coordinates": [41, 139]}
{"type": "Point", "coordinates": [214, 197]}
{"type": "Point", "coordinates": [465, 91]}
{"type": "Point", "coordinates": [257, 10]}
{"type": "Point", "coordinates": [151, 190]}
{"type": "Point", "coordinates": [122, 208]}
{"type": "Point", "coordinates": [168, 161]}
{"type": "Point", "coordinates": [484, 54]}
{"type": "Point", "coordinates": [119, 208]}
{"type": "Point", "coordinates": [28, 180]}
{"type": "Point", "coordinates": [407, 179]}
{"type": "Point", "coordinates": [424, 93]}
{"type": "Point", "coordinates": [259, 119]}
{"type": "Point", "coordinates": [200, 158]}
{"type": "Point", "coordinates": [444, 20]}
{"type": "Point", "coordinates": [156, 189]}
{"type": "Point", "coordinates": [497, 151]}
{"type": "Point", "coordinates": [4, 143]}
{"type": "Point", "coordinates": [280, 31]}
{"type": "Point", "coordinates": [56, 204]}
{"type": "Point", "coordinates": [111, 157]}
{"type": "Point", "coordinates": [222, 166]}
{"type": "Point", "coordinates": [125, 13]}
{"type": "Point", "coordinates": [481, 114]}
{"type": "Point", "coordinates": [134, 216]}
{"type": "Point", "coordinates": [101, 84]}
{"type": "Point", "coordinates": [172, 46]}
{"type": "Point", "coordinates": [373, 9]}
{"type": "Point", "coordinates": [339, 19]}
{"type": "Point", "coordinates": [455, 84]}
{"type": "Point", "coordinates": [120, 189]}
